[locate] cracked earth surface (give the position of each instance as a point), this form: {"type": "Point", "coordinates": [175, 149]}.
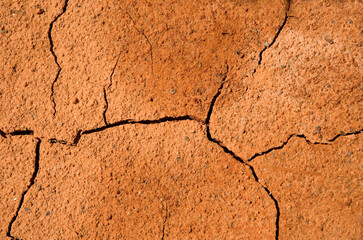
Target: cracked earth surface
{"type": "Point", "coordinates": [181, 119]}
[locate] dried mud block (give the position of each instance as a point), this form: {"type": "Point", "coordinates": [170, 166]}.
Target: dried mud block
{"type": "Point", "coordinates": [318, 188]}
{"type": "Point", "coordinates": [140, 60]}
{"type": "Point", "coordinates": [27, 67]}
{"type": "Point", "coordinates": [191, 44]}
{"type": "Point", "coordinates": [309, 82]}
{"type": "Point", "coordinates": [17, 156]}
{"type": "Point", "coordinates": [145, 182]}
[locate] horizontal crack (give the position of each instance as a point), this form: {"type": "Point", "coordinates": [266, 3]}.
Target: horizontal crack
{"type": "Point", "coordinates": [31, 183]}
{"type": "Point", "coordinates": [130, 121]}
{"type": "Point", "coordinates": [54, 55]}
{"type": "Point", "coordinates": [21, 132]}
{"type": "Point", "coordinates": [306, 139]}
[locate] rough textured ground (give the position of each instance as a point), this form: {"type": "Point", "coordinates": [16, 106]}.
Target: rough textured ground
{"type": "Point", "coordinates": [181, 119]}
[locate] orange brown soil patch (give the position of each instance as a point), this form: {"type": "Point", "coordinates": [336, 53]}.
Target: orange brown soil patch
{"type": "Point", "coordinates": [231, 119]}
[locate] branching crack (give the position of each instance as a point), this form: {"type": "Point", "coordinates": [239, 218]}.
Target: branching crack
{"type": "Point", "coordinates": [108, 88]}
{"type": "Point", "coordinates": [226, 150]}
{"type": "Point", "coordinates": [146, 38]}
{"type": "Point", "coordinates": [232, 154]}
{"type": "Point", "coordinates": [31, 183]}
{"type": "Point", "coordinates": [54, 55]}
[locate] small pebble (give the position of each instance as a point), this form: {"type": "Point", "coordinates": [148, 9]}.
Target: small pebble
{"type": "Point", "coordinates": [27, 209]}
{"type": "Point", "coordinates": [265, 44]}
{"type": "Point", "coordinates": [348, 154]}
{"type": "Point", "coordinates": [326, 38]}
{"type": "Point", "coordinates": [39, 11]}
{"type": "Point", "coordinates": [172, 91]}
{"type": "Point", "coordinates": [75, 100]}
{"type": "Point", "coordinates": [283, 66]}
{"type": "Point", "coordinates": [187, 138]}
{"type": "Point", "coordinates": [47, 213]}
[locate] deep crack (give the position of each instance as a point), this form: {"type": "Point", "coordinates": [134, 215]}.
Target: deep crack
{"type": "Point", "coordinates": [108, 88]}
{"type": "Point", "coordinates": [31, 183]}
{"type": "Point", "coordinates": [130, 121]}
{"type": "Point", "coordinates": [232, 154]}
{"type": "Point", "coordinates": [21, 132]}
{"type": "Point", "coordinates": [54, 55]}
{"type": "Point", "coordinates": [3, 134]}
{"type": "Point", "coordinates": [274, 39]}
{"type": "Point", "coordinates": [214, 99]}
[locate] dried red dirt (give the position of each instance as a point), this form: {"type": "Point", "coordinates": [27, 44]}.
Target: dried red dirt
{"type": "Point", "coordinates": [181, 119]}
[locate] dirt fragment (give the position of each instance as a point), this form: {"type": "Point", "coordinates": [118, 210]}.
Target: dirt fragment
{"type": "Point", "coordinates": [17, 155]}
{"type": "Point", "coordinates": [306, 102]}
{"type": "Point", "coordinates": [319, 192]}
{"type": "Point", "coordinates": [207, 193]}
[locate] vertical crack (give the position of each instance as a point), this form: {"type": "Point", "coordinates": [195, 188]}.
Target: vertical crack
{"type": "Point", "coordinates": [214, 99]}
{"type": "Point", "coordinates": [54, 55]}
{"type": "Point", "coordinates": [108, 88]}
{"type": "Point", "coordinates": [165, 219]}
{"type": "Point", "coordinates": [273, 40]}
{"type": "Point", "coordinates": [232, 154]}
{"type": "Point", "coordinates": [2, 133]}
{"type": "Point", "coordinates": [226, 150]}
{"type": "Point", "coordinates": [275, 37]}
{"type": "Point", "coordinates": [147, 39]}
{"type": "Point", "coordinates": [31, 183]}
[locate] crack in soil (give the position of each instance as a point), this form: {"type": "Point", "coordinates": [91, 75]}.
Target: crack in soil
{"type": "Point", "coordinates": [130, 121]}
{"type": "Point", "coordinates": [21, 132]}
{"type": "Point", "coordinates": [147, 39]}
{"type": "Point", "coordinates": [54, 55]}
{"type": "Point", "coordinates": [228, 151]}
{"type": "Point", "coordinates": [3, 134]}
{"type": "Point", "coordinates": [214, 99]}
{"type": "Point", "coordinates": [165, 219]}
{"type": "Point", "coordinates": [232, 154]}
{"type": "Point", "coordinates": [307, 141]}
{"type": "Point", "coordinates": [275, 37]}
{"type": "Point", "coordinates": [108, 88]}
{"type": "Point", "coordinates": [31, 183]}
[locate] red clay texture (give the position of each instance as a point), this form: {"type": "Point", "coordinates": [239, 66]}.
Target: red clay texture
{"type": "Point", "coordinates": [309, 82]}
{"type": "Point", "coordinates": [318, 188]}
{"type": "Point", "coordinates": [17, 162]}
{"type": "Point", "coordinates": [145, 181]}
{"type": "Point", "coordinates": [223, 119]}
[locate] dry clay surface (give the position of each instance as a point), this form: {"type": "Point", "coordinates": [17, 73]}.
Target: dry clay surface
{"type": "Point", "coordinates": [181, 119]}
